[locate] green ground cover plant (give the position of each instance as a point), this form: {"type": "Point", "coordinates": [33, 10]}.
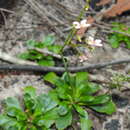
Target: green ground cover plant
{"type": "Point", "coordinates": [116, 38]}
{"type": "Point", "coordinates": [38, 57]}
{"type": "Point", "coordinates": [72, 95]}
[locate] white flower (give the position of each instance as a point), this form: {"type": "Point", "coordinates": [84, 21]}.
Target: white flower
{"type": "Point", "coordinates": [93, 42]}
{"type": "Point", "coordinates": [83, 58]}
{"type": "Point", "coordinates": [81, 24]}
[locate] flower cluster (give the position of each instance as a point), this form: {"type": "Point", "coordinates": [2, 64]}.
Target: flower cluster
{"type": "Point", "coordinates": [90, 41]}
{"type": "Point", "coordinates": [95, 43]}
{"type": "Point", "coordinates": [81, 24]}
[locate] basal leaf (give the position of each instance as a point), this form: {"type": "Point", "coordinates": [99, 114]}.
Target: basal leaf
{"type": "Point", "coordinates": [12, 102]}
{"type": "Point", "coordinates": [30, 90]}
{"type": "Point", "coordinates": [30, 97]}
{"type": "Point", "coordinates": [81, 111]}
{"type": "Point", "coordinates": [64, 121]}
{"type": "Point", "coordinates": [14, 112]}
{"type": "Point", "coordinates": [81, 77]}
{"type": "Point", "coordinates": [4, 119]}
{"type": "Point", "coordinates": [63, 109]}
{"type": "Point", "coordinates": [47, 119]}
{"type": "Point", "coordinates": [102, 99]}
{"type": "Point", "coordinates": [46, 102]}
{"type": "Point", "coordinates": [107, 108]}
{"type": "Point", "coordinates": [51, 77]}
{"type": "Point", "coordinates": [85, 123]}
{"type": "Point", "coordinates": [87, 89]}
{"type": "Point", "coordinates": [85, 99]}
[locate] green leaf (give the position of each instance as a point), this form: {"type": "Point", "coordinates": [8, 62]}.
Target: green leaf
{"type": "Point", "coordinates": [64, 121]}
{"type": "Point", "coordinates": [107, 108]}
{"type": "Point", "coordinates": [14, 112]}
{"type": "Point", "coordinates": [47, 103]}
{"type": "Point", "coordinates": [47, 119]}
{"type": "Point", "coordinates": [128, 44]}
{"type": "Point", "coordinates": [51, 77]}
{"type": "Point", "coordinates": [48, 40]}
{"type": "Point", "coordinates": [24, 56]}
{"type": "Point", "coordinates": [32, 128]}
{"type": "Point", "coordinates": [12, 102]}
{"type": "Point", "coordinates": [10, 124]}
{"type": "Point", "coordinates": [35, 55]}
{"type": "Point", "coordinates": [87, 89]}
{"type": "Point", "coordinates": [30, 91]}
{"type": "Point", "coordinates": [31, 43]}
{"type": "Point", "coordinates": [63, 109]}
{"type": "Point", "coordinates": [4, 119]}
{"type": "Point", "coordinates": [30, 97]}
{"type": "Point", "coordinates": [101, 99]}
{"type": "Point", "coordinates": [114, 41]}
{"type": "Point", "coordinates": [46, 62]}
{"type": "Point", "coordinates": [81, 77]}
{"type": "Point", "coordinates": [63, 90]}
{"type": "Point", "coordinates": [81, 111]}
{"type": "Point", "coordinates": [55, 48]}
{"type": "Point", "coordinates": [85, 123]}
{"type": "Point", "coordinates": [85, 99]}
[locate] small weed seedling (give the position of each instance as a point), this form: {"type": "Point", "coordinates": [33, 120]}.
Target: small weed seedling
{"type": "Point", "coordinates": [118, 80]}
{"type": "Point", "coordinates": [39, 57]}
{"type": "Point", "coordinates": [115, 39]}
{"type": "Point", "coordinates": [73, 93]}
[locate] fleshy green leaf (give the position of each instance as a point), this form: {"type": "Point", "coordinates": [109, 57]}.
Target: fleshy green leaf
{"type": "Point", "coordinates": [48, 40]}
{"type": "Point", "coordinates": [87, 89]}
{"type": "Point", "coordinates": [47, 119]}
{"type": "Point", "coordinates": [31, 55]}
{"type": "Point", "coordinates": [63, 109]}
{"type": "Point", "coordinates": [51, 77]}
{"type": "Point", "coordinates": [85, 123]}
{"type": "Point", "coordinates": [85, 99]}
{"type": "Point", "coordinates": [14, 112]}
{"type": "Point", "coordinates": [30, 97]}
{"type": "Point", "coordinates": [24, 56]}
{"type": "Point", "coordinates": [12, 102]}
{"type": "Point", "coordinates": [4, 120]}
{"type": "Point", "coordinates": [102, 99]}
{"type": "Point", "coordinates": [81, 77]}
{"type": "Point", "coordinates": [46, 62]}
{"type": "Point", "coordinates": [30, 90]}
{"type": "Point", "coordinates": [114, 41]}
{"type": "Point", "coordinates": [107, 108]}
{"type": "Point", "coordinates": [55, 48]}
{"type": "Point", "coordinates": [46, 102]}
{"type": "Point", "coordinates": [81, 111]}
{"type": "Point", "coordinates": [64, 121]}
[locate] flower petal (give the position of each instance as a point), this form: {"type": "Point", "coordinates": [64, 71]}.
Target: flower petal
{"type": "Point", "coordinates": [76, 25]}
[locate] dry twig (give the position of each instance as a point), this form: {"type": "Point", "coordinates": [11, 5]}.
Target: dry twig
{"type": "Point", "coordinates": [36, 68]}
{"type": "Point", "coordinates": [14, 60]}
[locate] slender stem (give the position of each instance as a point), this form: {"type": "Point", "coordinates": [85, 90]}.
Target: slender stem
{"type": "Point", "coordinates": [68, 40]}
